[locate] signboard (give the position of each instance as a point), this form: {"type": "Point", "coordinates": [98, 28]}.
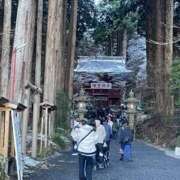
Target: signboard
{"type": "Point", "coordinates": [16, 124]}
{"type": "Point", "coordinates": [101, 98]}
{"type": "Point", "coordinates": [101, 85]}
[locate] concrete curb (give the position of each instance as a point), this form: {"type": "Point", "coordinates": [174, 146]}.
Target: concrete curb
{"type": "Point", "coordinates": [171, 154]}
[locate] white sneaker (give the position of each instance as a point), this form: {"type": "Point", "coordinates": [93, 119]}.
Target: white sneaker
{"type": "Point", "coordinates": [101, 166]}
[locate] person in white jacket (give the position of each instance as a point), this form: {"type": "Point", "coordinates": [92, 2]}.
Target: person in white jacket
{"type": "Point", "coordinates": [86, 139]}
{"type": "Point", "coordinates": [101, 132]}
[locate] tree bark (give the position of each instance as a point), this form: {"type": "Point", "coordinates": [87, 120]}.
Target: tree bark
{"type": "Point", "coordinates": [109, 46]}
{"type": "Point", "coordinates": [22, 58]}
{"type": "Point", "coordinates": [168, 57]}
{"type": "Point", "coordinates": [5, 58]}
{"type": "Point", "coordinates": [59, 66]}
{"type": "Point", "coordinates": [71, 48]}
{"type": "Point", "coordinates": [64, 58]}
{"type": "Point", "coordinates": [1, 31]}
{"type": "Point", "coordinates": [149, 46]}
{"type": "Point", "coordinates": [22, 48]}
{"type": "Point", "coordinates": [53, 50]}
{"type": "Point", "coordinates": [124, 44]}
{"type": "Point", "coordinates": [28, 70]}
{"type": "Point", "coordinates": [36, 104]}
{"type": "Point", "coordinates": [158, 56]}
{"type": "Point", "coordinates": [150, 50]}
{"type": "Point", "coordinates": [160, 53]}
{"type": "Point", "coordinates": [119, 43]}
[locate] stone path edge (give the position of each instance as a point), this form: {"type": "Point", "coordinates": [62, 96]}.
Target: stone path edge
{"type": "Point", "coordinates": [166, 151]}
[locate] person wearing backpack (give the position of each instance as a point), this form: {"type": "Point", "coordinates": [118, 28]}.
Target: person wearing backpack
{"type": "Point", "coordinates": [86, 139]}
{"type": "Point", "coordinates": [125, 140]}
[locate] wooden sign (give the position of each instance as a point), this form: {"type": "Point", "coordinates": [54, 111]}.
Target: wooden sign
{"type": "Point", "coordinates": [101, 98]}
{"type": "Point", "coordinates": [101, 85]}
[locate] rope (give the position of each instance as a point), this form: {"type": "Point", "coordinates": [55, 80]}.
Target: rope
{"type": "Point", "coordinates": [163, 43]}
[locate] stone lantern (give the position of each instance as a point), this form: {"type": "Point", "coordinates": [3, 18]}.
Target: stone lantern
{"type": "Point", "coordinates": [81, 103]}
{"type": "Point", "coordinates": [131, 109]}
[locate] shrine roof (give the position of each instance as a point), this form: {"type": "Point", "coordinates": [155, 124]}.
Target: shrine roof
{"type": "Point", "coordinates": [101, 64]}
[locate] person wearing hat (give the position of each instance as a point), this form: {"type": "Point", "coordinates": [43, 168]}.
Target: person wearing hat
{"type": "Point", "coordinates": [125, 140]}
{"type": "Point", "coordinates": [86, 139]}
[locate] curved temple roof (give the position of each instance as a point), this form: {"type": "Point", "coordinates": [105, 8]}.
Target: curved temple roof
{"type": "Point", "coordinates": [102, 64]}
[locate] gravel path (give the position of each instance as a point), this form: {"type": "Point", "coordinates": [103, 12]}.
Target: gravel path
{"type": "Point", "coordinates": [148, 164]}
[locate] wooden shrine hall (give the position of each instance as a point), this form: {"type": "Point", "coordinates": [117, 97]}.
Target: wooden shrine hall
{"type": "Point", "coordinates": [103, 78]}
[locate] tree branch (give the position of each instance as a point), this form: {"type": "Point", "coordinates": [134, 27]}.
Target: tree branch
{"type": "Point", "coordinates": [33, 87]}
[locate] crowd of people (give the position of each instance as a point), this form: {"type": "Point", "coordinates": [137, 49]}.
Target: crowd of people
{"type": "Point", "coordinates": [92, 137]}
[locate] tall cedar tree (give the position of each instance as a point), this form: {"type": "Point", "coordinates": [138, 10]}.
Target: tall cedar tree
{"type": "Point", "coordinates": [71, 49]}
{"type": "Point", "coordinates": [5, 58]}
{"type": "Point", "coordinates": [22, 58]}
{"type": "Point", "coordinates": [36, 104]}
{"type": "Point", "coordinates": [160, 53]}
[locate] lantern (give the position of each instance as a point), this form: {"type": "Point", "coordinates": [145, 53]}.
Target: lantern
{"type": "Point", "coordinates": [132, 106]}
{"type": "Point", "coordinates": [81, 103]}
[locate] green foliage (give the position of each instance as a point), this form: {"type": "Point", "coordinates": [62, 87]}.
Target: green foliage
{"type": "Point", "coordinates": [60, 134]}
{"type": "Point", "coordinates": [115, 15]}
{"type": "Point", "coordinates": [2, 169]}
{"type": "Point", "coordinates": [61, 138]}
{"type": "Point", "coordinates": [63, 109]}
{"type": "Point", "coordinates": [175, 80]}
{"type": "Point", "coordinates": [86, 17]}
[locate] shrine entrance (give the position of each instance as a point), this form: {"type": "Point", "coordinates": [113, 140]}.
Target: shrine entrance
{"type": "Point", "coordinates": [103, 79]}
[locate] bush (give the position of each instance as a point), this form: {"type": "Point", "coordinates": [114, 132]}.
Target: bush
{"type": "Point", "coordinates": [60, 137]}
{"type": "Point", "coordinates": [2, 169]}
{"type": "Point", "coordinates": [63, 108]}
{"type": "Point", "coordinates": [175, 81]}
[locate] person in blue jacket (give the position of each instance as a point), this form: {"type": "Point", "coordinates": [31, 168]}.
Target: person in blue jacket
{"type": "Point", "coordinates": [125, 140]}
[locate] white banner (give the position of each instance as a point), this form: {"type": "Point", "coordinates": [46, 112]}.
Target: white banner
{"type": "Point", "coordinates": [16, 123]}
{"type": "Point", "coordinates": [101, 85]}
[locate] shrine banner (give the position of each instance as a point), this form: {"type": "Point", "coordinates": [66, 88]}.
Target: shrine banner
{"type": "Point", "coordinates": [101, 85]}
{"type": "Point", "coordinates": [16, 124]}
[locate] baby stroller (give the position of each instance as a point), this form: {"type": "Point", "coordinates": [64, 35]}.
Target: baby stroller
{"type": "Point", "coordinates": [102, 156]}
{"type": "Point", "coordinates": [106, 155]}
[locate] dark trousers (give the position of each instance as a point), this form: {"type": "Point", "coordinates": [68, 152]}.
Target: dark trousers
{"type": "Point", "coordinates": [85, 167]}
{"type": "Point", "coordinates": [107, 149]}
{"type": "Point", "coordinates": [99, 153]}
{"type": "Point", "coordinates": [108, 145]}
